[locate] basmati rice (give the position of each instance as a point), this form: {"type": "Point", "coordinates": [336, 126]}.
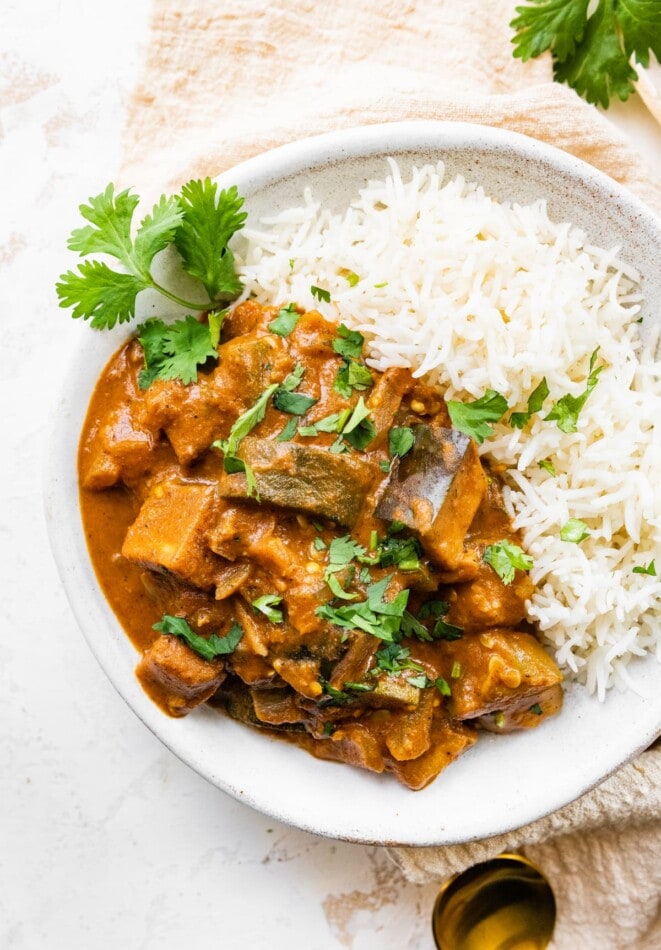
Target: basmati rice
{"type": "Point", "coordinates": [475, 294]}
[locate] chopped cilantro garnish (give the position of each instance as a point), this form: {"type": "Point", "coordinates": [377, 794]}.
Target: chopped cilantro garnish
{"type": "Point", "coordinates": [286, 320]}
{"type": "Point", "coordinates": [266, 605]}
{"type": "Point", "coordinates": [375, 615]}
{"type": "Point", "coordinates": [505, 558]}
{"type": "Point", "coordinates": [548, 466]}
{"type": "Point", "coordinates": [535, 403]}
{"type": "Point", "coordinates": [297, 404]}
{"type": "Point", "coordinates": [348, 343]}
{"type": "Point", "coordinates": [308, 432]}
{"type": "Point", "coordinates": [242, 426]}
{"type": "Point", "coordinates": [574, 531]}
{"type": "Point", "coordinates": [434, 608]}
{"type": "Point", "coordinates": [359, 429]}
{"type": "Point", "coordinates": [473, 418]}
{"type": "Point", "coordinates": [319, 544]}
{"type": "Point", "coordinates": [420, 681]}
{"type": "Point", "coordinates": [175, 350]}
{"type": "Point", "coordinates": [352, 375]}
{"type": "Point", "coordinates": [351, 278]}
{"type": "Point", "coordinates": [336, 587]}
{"type": "Point", "coordinates": [206, 647]}
{"type": "Point", "coordinates": [442, 630]}
{"type": "Point", "coordinates": [650, 570]}
{"type": "Point", "coordinates": [393, 658]}
{"type": "Point", "coordinates": [566, 410]}
{"type": "Point", "coordinates": [400, 441]}
{"type": "Point", "coordinates": [320, 293]}
{"type": "Point", "coordinates": [442, 686]}
{"type": "Point", "coordinates": [456, 670]}
{"type": "Point", "coordinates": [288, 432]}
{"type": "Point", "coordinates": [536, 709]}
{"type": "Point", "coordinates": [384, 466]}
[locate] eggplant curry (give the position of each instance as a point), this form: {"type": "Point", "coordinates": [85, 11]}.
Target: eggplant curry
{"type": "Point", "coordinates": [310, 546]}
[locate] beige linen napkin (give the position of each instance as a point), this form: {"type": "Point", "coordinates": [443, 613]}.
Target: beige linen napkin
{"type": "Point", "coordinates": [224, 81]}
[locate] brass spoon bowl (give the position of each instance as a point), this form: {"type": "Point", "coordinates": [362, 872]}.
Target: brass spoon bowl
{"type": "Point", "coordinates": [502, 904]}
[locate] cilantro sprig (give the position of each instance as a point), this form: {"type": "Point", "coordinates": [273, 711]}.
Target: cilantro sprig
{"type": "Point", "coordinates": [535, 402]}
{"type": "Point", "coordinates": [473, 418]}
{"type": "Point", "coordinates": [199, 221]}
{"type": "Point", "coordinates": [566, 410]}
{"type": "Point", "coordinates": [175, 350]}
{"type": "Point", "coordinates": [506, 558]}
{"type": "Point", "coordinates": [206, 647]}
{"type": "Point", "coordinates": [591, 44]}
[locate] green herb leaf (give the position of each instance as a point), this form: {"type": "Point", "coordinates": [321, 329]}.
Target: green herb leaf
{"type": "Point", "coordinates": [352, 279]}
{"type": "Point", "coordinates": [566, 410]}
{"type": "Point", "coordinates": [536, 709]}
{"type": "Point", "coordinates": [245, 423]}
{"type": "Point", "coordinates": [420, 681]}
{"type": "Point", "coordinates": [210, 218]}
{"type": "Point", "coordinates": [293, 381]}
{"type": "Point", "coordinates": [650, 569]}
{"type": "Point", "coordinates": [359, 429]}
{"type": "Point", "coordinates": [207, 648]}
{"type": "Point", "coordinates": [443, 630]}
{"type": "Point", "coordinates": [535, 403]}
{"type": "Point", "coordinates": [574, 531]}
{"type": "Point", "coordinates": [548, 467]}
{"type": "Point", "coordinates": [175, 350]}
{"type": "Point", "coordinates": [337, 589]}
{"type": "Point", "coordinates": [348, 343]}
{"type": "Point", "coordinates": [100, 294]}
{"type": "Point", "coordinates": [443, 686]}
{"type": "Point", "coordinates": [215, 319]}
{"type": "Point", "coordinates": [352, 375]}
{"type": "Point", "coordinates": [505, 558]}
{"type": "Point", "coordinates": [456, 670]}
{"type": "Point", "coordinates": [393, 658]}
{"type": "Point", "coordinates": [286, 320]}
{"type": "Point", "coordinates": [288, 432]}
{"type": "Point", "coordinates": [433, 608]}
{"type": "Point", "coordinates": [320, 293]}
{"type": "Point", "coordinates": [319, 544]}
{"type": "Point", "coordinates": [266, 605]}
{"type": "Point", "coordinates": [400, 441]}
{"type": "Point", "coordinates": [472, 418]}
{"type": "Point", "coordinates": [591, 45]}
{"type": "Point", "coordinates": [297, 404]}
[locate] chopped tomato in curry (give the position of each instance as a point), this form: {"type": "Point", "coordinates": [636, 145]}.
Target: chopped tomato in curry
{"type": "Point", "coordinates": [321, 527]}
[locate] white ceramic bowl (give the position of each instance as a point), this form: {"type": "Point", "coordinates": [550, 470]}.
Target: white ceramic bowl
{"type": "Point", "coordinates": [503, 782]}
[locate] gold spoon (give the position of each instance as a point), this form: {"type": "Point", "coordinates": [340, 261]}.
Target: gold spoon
{"type": "Point", "coordinates": [503, 904]}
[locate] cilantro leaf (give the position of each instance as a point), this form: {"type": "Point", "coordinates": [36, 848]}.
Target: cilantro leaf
{"type": "Point", "coordinates": [352, 375]}
{"type": "Point", "coordinates": [209, 221]}
{"type": "Point", "coordinates": [472, 418]}
{"type": "Point", "coordinates": [381, 618]}
{"type": "Point", "coordinates": [442, 686]}
{"type": "Point", "coordinates": [348, 343]}
{"type": "Point", "coordinates": [157, 231]}
{"type": "Point", "coordinates": [288, 432]}
{"type": "Point", "coordinates": [443, 630]}
{"type": "Point", "coordinates": [548, 466]}
{"type": "Point", "coordinates": [285, 321]}
{"type": "Point", "coordinates": [591, 44]}
{"type": "Point", "coordinates": [98, 293]}
{"type": "Point", "coordinates": [245, 423]}
{"type": "Point", "coordinates": [296, 404]}
{"type": "Point", "coordinates": [359, 429]}
{"type": "Point", "coordinates": [174, 351]}
{"type": "Point", "coordinates": [351, 278]}
{"type": "Point", "coordinates": [207, 648]}
{"type": "Point", "coordinates": [535, 403]}
{"type": "Point", "coordinates": [400, 441]}
{"type": "Point", "coordinates": [320, 293]}
{"type": "Point", "coordinates": [574, 531]}
{"type": "Point", "coordinates": [505, 558]}
{"type": "Point", "coordinates": [599, 68]}
{"type": "Point", "coordinates": [109, 231]}
{"type": "Point", "coordinates": [567, 409]}
{"type": "Point", "coordinates": [557, 25]}
{"type": "Point", "coordinates": [393, 658]}
{"type": "Point", "coordinates": [266, 605]}
{"type": "Point", "coordinates": [649, 570]}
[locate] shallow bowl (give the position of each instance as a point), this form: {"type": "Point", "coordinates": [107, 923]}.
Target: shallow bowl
{"type": "Point", "coordinates": [503, 782]}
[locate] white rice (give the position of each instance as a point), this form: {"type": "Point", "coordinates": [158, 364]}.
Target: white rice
{"type": "Point", "coordinates": [485, 295]}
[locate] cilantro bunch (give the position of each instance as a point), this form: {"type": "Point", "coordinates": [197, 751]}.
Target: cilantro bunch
{"type": "Point", "coordinates": [199, 222]}
{"type": "Point", "coordinates": [592, 45]}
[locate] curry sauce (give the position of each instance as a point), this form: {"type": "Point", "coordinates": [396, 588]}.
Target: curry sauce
{"type": "Point", "coordinates": [322, 527]}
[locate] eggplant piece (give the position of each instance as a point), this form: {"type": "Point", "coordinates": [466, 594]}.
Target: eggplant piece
{"type": "Point", "coordinates": [500, 669]}
{"type": "Point", "coordinates": [435, 491]}
{"type": "Point", "coordinates": [175, 677]}
{"type": "Point", "coordinates": [524, 714]}
{"type": "Point", "coordinates": [276, 706]}
{"type": "Point", "coordinates": [306, 478]}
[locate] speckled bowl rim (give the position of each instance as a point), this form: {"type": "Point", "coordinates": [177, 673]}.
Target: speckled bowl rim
{"type": "Point", "coordinates": [491, 789]}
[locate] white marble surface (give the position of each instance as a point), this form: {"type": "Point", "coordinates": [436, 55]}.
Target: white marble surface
{"type": "Point", "coordinates": [106, 840]}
